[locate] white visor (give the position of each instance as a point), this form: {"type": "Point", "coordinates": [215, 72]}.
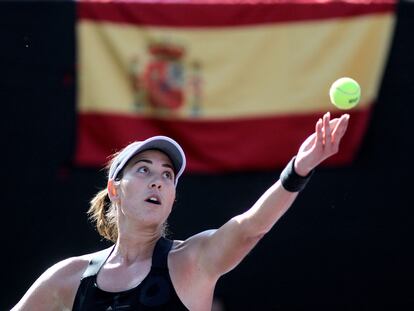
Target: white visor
{"type": "Point", "coordinates": [165, 144]}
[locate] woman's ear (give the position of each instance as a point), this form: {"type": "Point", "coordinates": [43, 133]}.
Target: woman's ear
{"type": "Point", "coordinates": [112, 191]}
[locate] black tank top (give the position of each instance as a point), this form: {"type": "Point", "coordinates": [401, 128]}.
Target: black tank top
{"type": "Point", "coordinates": [155, 292]}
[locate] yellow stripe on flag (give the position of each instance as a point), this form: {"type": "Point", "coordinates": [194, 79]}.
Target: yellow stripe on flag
{"type": "Point", "coordinates": [276, 69]}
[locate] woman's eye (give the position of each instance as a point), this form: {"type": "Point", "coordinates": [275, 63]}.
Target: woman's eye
{"type": "Point", "coordinates": [168, 175]}
{"type": "Point", "coordinates": [143, 169]}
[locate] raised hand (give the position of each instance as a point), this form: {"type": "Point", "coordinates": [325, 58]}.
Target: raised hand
{"type": "Point", "coordinates": [322, 144]}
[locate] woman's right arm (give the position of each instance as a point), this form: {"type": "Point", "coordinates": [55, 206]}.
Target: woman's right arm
{"type": "Point", "coordinates": [56, 288]}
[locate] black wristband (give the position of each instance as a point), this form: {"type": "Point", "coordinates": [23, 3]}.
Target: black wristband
{"type": "Point", "coordinates": [291, 181]}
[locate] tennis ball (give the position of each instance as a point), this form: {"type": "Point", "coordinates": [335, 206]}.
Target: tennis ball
{"type": "Point", "coordinates": [345, 93]}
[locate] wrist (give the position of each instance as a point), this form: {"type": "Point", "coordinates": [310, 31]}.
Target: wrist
{"type": "Point", "coordinates": [299, 169]}
{"type": "Point", "coordinates": [291, 180]}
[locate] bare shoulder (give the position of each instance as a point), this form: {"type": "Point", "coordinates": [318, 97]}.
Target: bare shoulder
{"type": "Point", "coordinates": [56, 287]}
{"type": "Point", "coordinates": [67, 272]}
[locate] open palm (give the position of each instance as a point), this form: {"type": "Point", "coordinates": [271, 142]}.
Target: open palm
{"type": "Point", "coordinates": [322, 144]}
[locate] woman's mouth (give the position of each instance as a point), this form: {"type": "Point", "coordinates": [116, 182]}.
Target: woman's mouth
{"type": "Point", "coordinates": [154, 200]}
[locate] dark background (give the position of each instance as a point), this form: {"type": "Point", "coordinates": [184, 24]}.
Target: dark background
{"type": "Point", "coordinates": [346, 243]}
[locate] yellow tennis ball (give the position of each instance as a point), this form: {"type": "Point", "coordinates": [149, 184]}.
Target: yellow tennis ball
{"type": "Point", "coordinates": [345, 93]}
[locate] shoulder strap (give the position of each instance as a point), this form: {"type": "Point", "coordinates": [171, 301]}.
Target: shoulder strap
{"type": "Point", "coordinates": [97, 262]}
{"type": "Point", "coordinates": [161, 250]}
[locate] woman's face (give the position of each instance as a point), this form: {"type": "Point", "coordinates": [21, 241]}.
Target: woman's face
{"type": "Point", "coordinates": [147, 189]}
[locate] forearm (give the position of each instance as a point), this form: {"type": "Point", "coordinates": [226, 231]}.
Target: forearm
{"type": "Point", "coordinates": [277, 199]}
{"type": "Point", "coordinates": [268, 209]}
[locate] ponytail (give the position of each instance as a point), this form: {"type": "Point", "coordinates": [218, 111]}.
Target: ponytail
{"type": "Point", "coordinates": [103, 214]}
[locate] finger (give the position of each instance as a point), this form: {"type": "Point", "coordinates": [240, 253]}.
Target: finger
{"type": "Point", "coordinates": [333, 122]}
{"type": "Point", "coordinates": [319, 134]}
{"type": "Point", "coordinates": [340, 128]}
{"type": "Point", "coordinates": [327, 128]}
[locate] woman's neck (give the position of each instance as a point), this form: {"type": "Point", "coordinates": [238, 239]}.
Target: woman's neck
{"type": "Point", "coordinates": [135, 246]}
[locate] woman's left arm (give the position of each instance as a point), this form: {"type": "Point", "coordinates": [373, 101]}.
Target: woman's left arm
{"type": "Point", "coordinates": [224, 248]}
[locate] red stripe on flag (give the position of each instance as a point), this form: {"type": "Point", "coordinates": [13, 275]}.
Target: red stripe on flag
{"type": "Point", "coordinates": [215, 146]}
{"type": "Point", "coordinates": [225, 13]}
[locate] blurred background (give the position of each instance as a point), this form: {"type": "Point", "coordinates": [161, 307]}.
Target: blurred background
{"type": "Point", "coordinates": [72, 92]}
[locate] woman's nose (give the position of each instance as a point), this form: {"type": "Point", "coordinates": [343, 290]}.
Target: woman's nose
{"type": "Point", "coordinates": [155, 184]}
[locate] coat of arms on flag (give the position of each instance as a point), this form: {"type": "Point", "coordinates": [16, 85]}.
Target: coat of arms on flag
{"type": "Point", "coordinates": [165, 83]}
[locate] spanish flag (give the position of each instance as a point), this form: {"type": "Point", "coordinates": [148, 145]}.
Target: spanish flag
{"type": "Point", "coordinates": [239, 84]}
